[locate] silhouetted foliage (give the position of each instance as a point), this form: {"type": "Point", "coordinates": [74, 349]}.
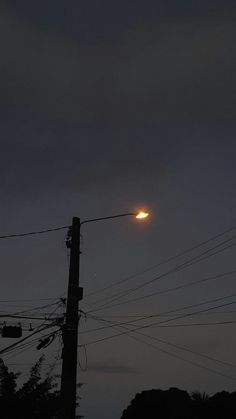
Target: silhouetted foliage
{"type": "Point", "coordinates": [37, 398]}
{"type": "Point", "coordinates": [178, 404]}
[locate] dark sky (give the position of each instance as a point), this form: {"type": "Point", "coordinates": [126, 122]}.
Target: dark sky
{"type": "Point", "coordinates": [106, 106]}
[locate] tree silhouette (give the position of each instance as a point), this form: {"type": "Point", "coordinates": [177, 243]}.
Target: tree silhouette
{"type": "Point", "coordinates": [37, 398]}
{"type": "Point", "coordinates": [178, 404]}
{"type": "Point", "coordinates": [153, 404]}
{"type": "Point", "coordinates": [199, 397]}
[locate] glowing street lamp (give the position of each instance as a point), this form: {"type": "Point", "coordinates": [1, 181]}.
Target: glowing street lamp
{"type": "Point", "coordinates": [142, 215]}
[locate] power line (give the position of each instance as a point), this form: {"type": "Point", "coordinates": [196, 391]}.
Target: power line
{"type": "Point", "coordinates": [180, 267]}
{"type": "Point", "coordinates": [182, 348]}
{"type": "Point", "coordinates": [24, 347]}
{"type": "Point", "coordinates": [18, 345]}
{"type": "Point", "coordinates": [186, 264]}
{"type": "Point", "coordinates": [201, 324]}
{"type": "Point", "coordinates": [174, 355]}
{"type": "Point", "coordinates": [166, 291]}
{"type": "Point", "coordinates": [186, 360]}
{"type": "Point", "coordinates": [177, 269]}
{"type": "Point", "coordinates": [28, 299]}
{"type": "Point", "coordinates": [157, 323]}
{"type": "Point", "coordinates": [180, 316]}
{"type": "Point", "coordinates": [12, 316]}
{"type": "Point", "coordinates": [139, 316]}
{"type": "Point", "coordinates": [15, 306]}
{"type": "Point", "coordinates": [17, 352]}
{"type": "Point", "coordinates": [37, 308]}
{"type": "Point", "coordinates": [216, 323]}
{"type": "Point", "coordinates": [24, 363]}
{"type": "Point", "coordinates": [33, 233]}
{"type": "Point", "coordinates": [46, 318]}
{"type": "Point", "coordinates": [8, 348]}
{"type": "Point", "coordinates": [163, 262]}
{"type": "Point", "coordinates": [39, 329]}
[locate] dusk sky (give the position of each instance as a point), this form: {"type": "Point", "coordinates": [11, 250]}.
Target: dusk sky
{"type": "Point", "coordinates": [107, 107]}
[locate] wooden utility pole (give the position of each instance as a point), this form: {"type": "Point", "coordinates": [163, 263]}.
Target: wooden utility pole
{"type": "Point", "coordinates": [70, 328]}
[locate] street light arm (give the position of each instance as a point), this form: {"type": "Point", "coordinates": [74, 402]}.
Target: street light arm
{"type": "Point", "coordinates": [107, 218]}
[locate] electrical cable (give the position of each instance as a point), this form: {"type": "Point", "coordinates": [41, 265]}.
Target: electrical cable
{"type": "Point", "coordinates": [187, 360]}
{"type": "Point", "coordinates": [25, 346]}
{"type": "Point", "coordinates": [157, 278]}
{"type": "Point", "coordinates": [192, 261]}
{"type": "Point", "coordinates": [216, 323]}
{"type": "Point", "coordinates": [37, 308]}
{"type": "Point", "coordinates": [33, 233]}
{"type": "Point", "coordinates": [7, 348]}
{"type": "Point", "coordinates": [16, 314]}
{"type": "Point", "coordinates": [20, 306]}
{"type": "Point", "coordinates": [182, 348]}
{"type": "Point", "coordinates": [27, 299]}
{"type": "Point", "coordinates": [14, 349]}
{"type": "Point", "coordinates": [150, 316]}
{"type": "Point", "coordinates": [140, 316]}
{"type": "Point", "coordinates": [22, 364]}
{"type": "Point", "coordinates": [12, 316]}
{"type": "Point", "coordinates": [157, 323]}
{"type": "Point", "coordinates": [219, 323]}
{"type": "Point", "coordinates": [84, 369]}
{"type": "Point", "coordinates": [163, 262]}
{"type": "Point", "coordinates": [18, 352]}
{"type": "Point", "coordinates": [138, 339]}
{"type": "Point", "coordinates": [166, 291]}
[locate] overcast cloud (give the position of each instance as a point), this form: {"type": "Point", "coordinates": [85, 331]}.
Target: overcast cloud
{"type": "Point", "coordinates": [81, 109]}
{"type": "Point", "coordinates": [105, 105]}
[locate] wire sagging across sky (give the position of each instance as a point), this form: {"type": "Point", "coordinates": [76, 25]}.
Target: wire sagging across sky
{"type": "Point", "coordinates": [164, 262]}
{"type": "Point", "coordinates": [180, 267]}
{"type": "Point", "coordinates": [155, 324]}
{"type": "Point", "coordinates": [195, 364]}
